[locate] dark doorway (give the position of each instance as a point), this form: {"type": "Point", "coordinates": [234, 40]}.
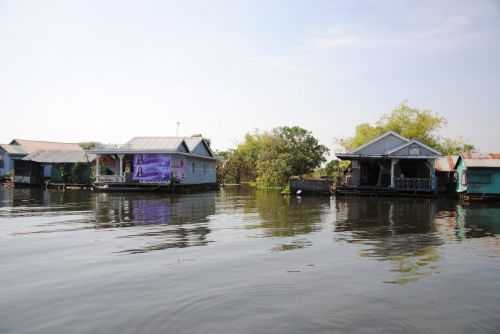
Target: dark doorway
{"type": "Point", "coordinates": [414, 169]}
{"type": "Point", "coordinates": [369, 173]}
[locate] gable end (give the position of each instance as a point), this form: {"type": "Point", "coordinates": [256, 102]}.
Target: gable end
{"type": "Point", "coordinates": [382, 144]}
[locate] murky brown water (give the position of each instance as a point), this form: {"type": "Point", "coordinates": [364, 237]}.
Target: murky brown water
{"type": "Point", "coordinates": [237, 261]}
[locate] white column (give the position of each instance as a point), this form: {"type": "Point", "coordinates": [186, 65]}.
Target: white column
{"type": "Point", "coordinates": [120, 156]}
{"type": "Point", "coordinates": [393, 166]}
{"type": "Point", "coordinates": [97, 167]}
{"type": "Point", "coordinates": [430, 165]}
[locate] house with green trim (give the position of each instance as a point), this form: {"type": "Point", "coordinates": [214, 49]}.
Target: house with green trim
{"type": "Point", "coordinates": [478, 175]}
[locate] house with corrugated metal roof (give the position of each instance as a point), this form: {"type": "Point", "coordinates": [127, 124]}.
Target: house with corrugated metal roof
{"type": "Point", "coordinates": [33, 162]}
{"type": "Point", "coordinates": [155, 162]}
{"type": "Point", "coordinates": [478, 175]}
{"type": "Point", "coordinates": [56, 167]}
{"type": "Point", "coordinates": [390, 163]}
{"type": "Point", "coordinates": [8, 154]}
{"type": "Point", "coordinates": [445, 174]}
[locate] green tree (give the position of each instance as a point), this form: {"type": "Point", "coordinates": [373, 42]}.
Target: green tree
{"type": "Point", "coordinates": [422, 125]}
{"type": "Point", "coordinates": [302, 150]}
{"type": "Point", "coordinates": [270, 158]}
{"type": "Point", "coordinates": [454, 146]}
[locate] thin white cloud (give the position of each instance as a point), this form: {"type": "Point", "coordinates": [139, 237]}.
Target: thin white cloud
{"type": "Point", "coordinates": [452, 32]}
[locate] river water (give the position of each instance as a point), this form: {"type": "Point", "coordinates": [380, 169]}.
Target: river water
{"type": "Point", "coordinates": [240, 261]}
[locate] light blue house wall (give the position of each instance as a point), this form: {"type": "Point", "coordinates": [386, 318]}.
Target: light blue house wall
{"type": "Point", "coordinates": [472, 180]}
{"type": "Point", "coordinates": [200, 171]}
{"type": "Point", "coordinates": [483, 181]}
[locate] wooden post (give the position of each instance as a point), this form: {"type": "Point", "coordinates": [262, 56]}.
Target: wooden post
{"type": "Point", "coordinates": [97, 168]}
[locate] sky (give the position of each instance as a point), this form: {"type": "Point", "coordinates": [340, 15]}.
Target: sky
{"type": "Point", "coordinates": [108, 71]}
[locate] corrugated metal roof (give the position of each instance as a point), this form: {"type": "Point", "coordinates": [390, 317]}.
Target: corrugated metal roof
{"type": "Point", "coordinates": [13, 149]}
{"type": "Point", "coordinates": [31, 146]}
{"type": "Point", "coordinates": [480, 156]}
{"type": "Point", "coordinates": [482, 160]}
{"type": "Point", "coordinates": [483, 163]}
{"type": "Point", "coordinates": [446, 164]}
{"type": "Point", "coordinates": [154, 143]}
{"type": "Point", "coordinates": [60, 157]}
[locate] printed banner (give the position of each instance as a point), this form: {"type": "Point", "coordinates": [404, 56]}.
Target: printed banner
{"type": "Point", "coordinates": [154, 168]}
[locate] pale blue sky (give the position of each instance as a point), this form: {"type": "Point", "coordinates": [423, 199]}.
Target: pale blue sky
{"type": "Point", "coordinates": [111, 70]}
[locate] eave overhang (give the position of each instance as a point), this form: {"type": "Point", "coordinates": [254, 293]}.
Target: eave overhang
{"type": "Point", "coordinates": [348, 156]}
{"type": "Point", "coordinates": [128, 151]}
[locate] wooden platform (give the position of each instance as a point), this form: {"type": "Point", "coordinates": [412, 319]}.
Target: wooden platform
{"type": "Point", "coordinates": [64, 186]}
{"type": "Point", "coordinates": [479, 197]}
{"type": "Point", "coordinates": [145, 187]}
{"type": "Point", "coordinates": [379, 191]}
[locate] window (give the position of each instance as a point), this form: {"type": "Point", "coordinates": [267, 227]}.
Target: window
{"type": "Point", "coordinates": [464, 178]}
{"type": "Point", "coordinates": [414, 150]}
{"type": "Point", "coordinates": [480, 178]}
{"type": "Point", "coordinates": [194, 168]}
{"type": "Point", "coordinates": [1, 162]}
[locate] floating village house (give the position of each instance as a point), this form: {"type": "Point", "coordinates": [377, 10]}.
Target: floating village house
{"type": "Point", "coordinates": [445, 174]}
{"type": "Point", "coordinates": [155, 162]}
{"type": "Point", "coordinates": [35, 162]}
{"type": "Point", "coordinates": [390, 163]}
{"type": "Point", "coordinates": [478, 175]}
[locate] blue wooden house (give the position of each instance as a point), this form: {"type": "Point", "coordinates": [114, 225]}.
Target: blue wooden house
{"type": "Point", "coordinates": [145, 163]}
{"type": "Point", "coordinates": [478, 175]}
{"type": "Point", "coordinates": [390, 164]}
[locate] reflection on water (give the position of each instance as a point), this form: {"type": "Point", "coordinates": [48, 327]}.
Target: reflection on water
{"type": "Point", "coordinates": [243, 259]}
{"type": "Point", "coordinates": [174, 221]}
{"type": "Point", "coordinates": [402, 231]}
{"type": "Point", "coordinates": [284, 216]}
{"type": "Point", "coordinates": [387, 228]}
{"type": "Point", "coordinates": [477, 220]}
{"type": "Point", "coordinates": [169, 221]}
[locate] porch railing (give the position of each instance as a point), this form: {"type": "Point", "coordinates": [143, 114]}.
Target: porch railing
{"type": "Point", "coordinates": [413, 184]}
{"type": "Point", "coordinates": [110, 179]}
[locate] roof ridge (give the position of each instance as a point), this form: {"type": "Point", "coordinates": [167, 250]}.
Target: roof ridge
{"type": "Point", "coordinates": [42, 141]}
{"type": "Point", "coordinates": [171, 137]}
